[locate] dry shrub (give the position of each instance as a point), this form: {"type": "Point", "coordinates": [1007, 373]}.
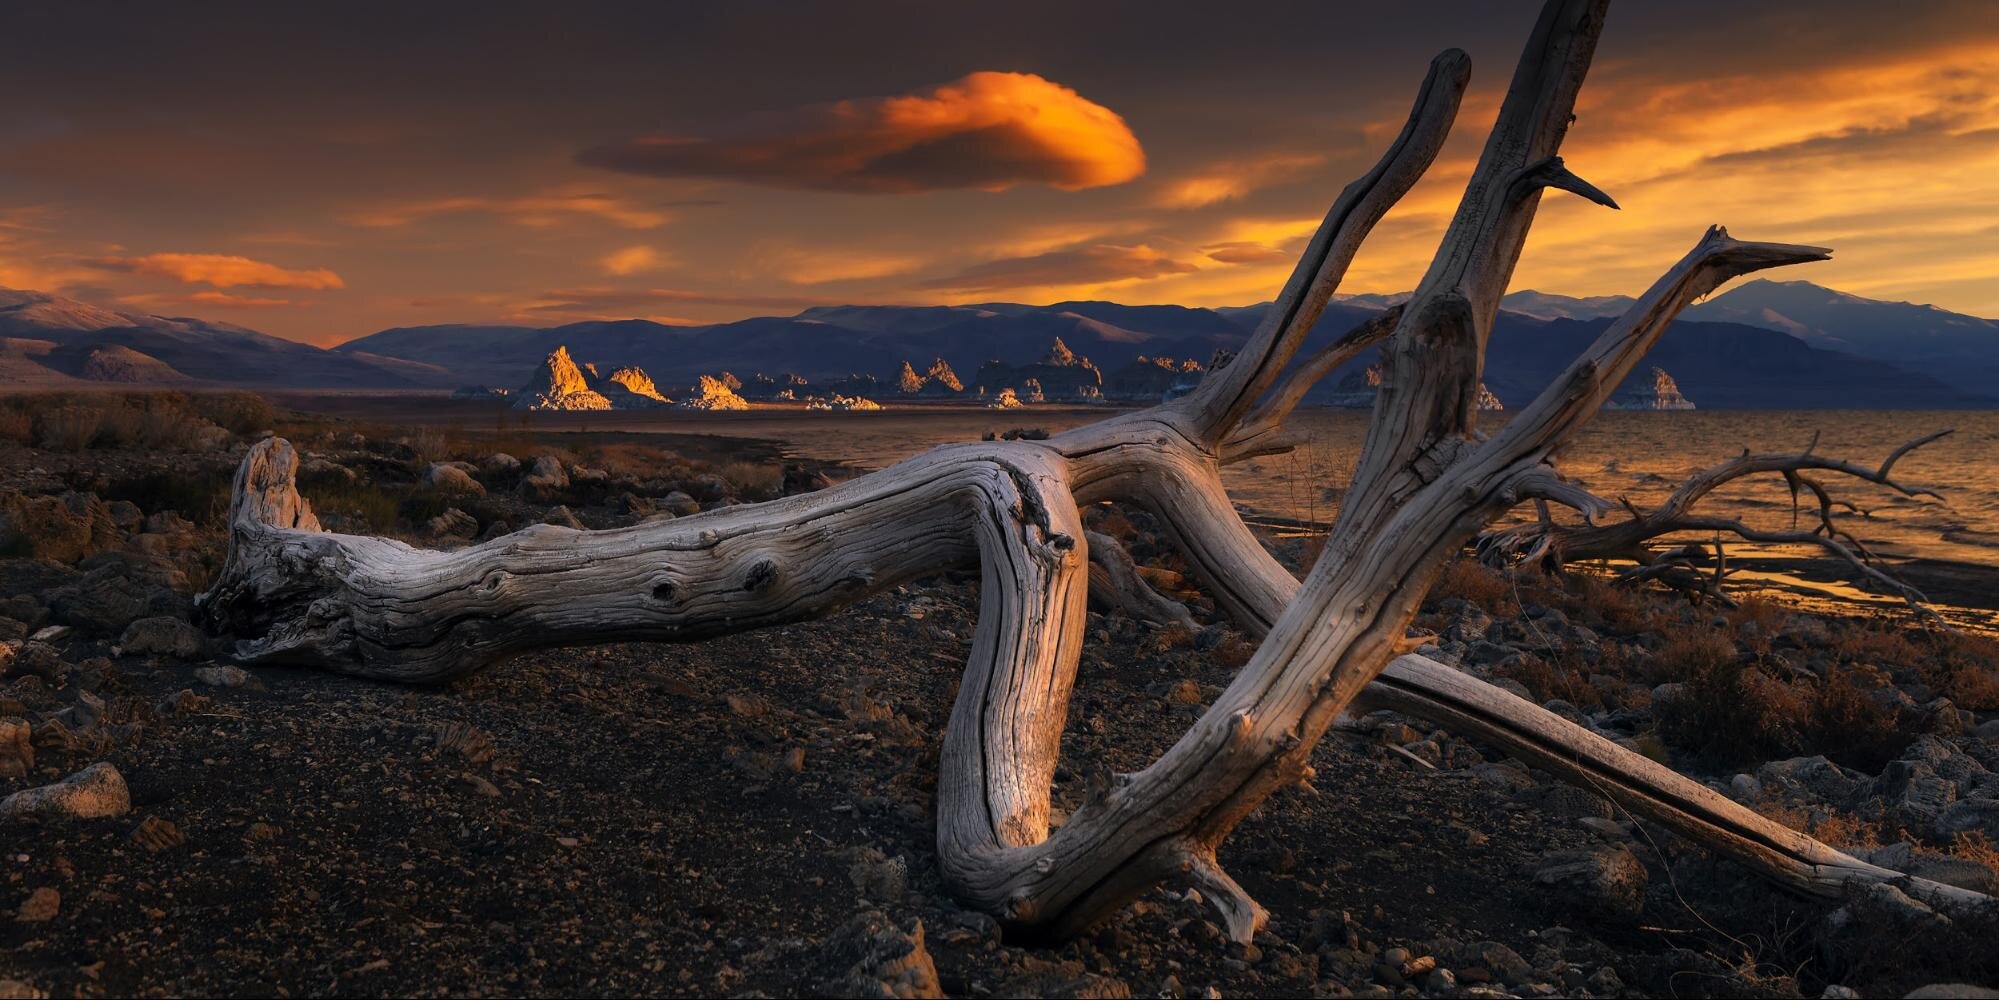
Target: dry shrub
{"type": "Point", "coordinates": [67, 428]}
{"type": "Point", "coordinates": [1853, 729]}
{"type": "Point", "coordinates": [1564, 678]}
{"type": "Point", "coordinates": [1232, 652]}
{"type": "Point", "coordinates": [1619, 608]}
{"type": "Point", "coordinates": [236, 412]}
{"type": "Point", "coordinates": [1686, 653]}
{"type": "Point", "coordinates": [1872, 642]}
{"type": "Point", "coordinates": [17, 426]}
{"type": "Point", "coordinates": [1473, 581]}
{"type": "Point", "coordinates": [1729, 712]}
{"type": "Point", "coordinates": [1966, 669]}
{"type": "Point", "coordinates": [1169, 638]}
{"type": "Point", "coordinates": [754, 480]}
{"type": "Point", "coordinates": [1758, 609]}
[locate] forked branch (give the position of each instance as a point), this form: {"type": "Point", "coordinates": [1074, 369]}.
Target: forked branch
{"type": "Point", "coordinates": [1550, 544]}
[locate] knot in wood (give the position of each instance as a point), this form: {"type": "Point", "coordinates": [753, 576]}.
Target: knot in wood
{"type": "Point", "coordinates": [761, 576]}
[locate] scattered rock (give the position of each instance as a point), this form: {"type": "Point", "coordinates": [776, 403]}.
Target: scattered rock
{"type": "Point", "coordinates": [162, 636]}
{"type": "Point", "coordinates": [155, 835]}
{"type": "Point", "coordinates": [1970, 816]}
{"type": "Point", "coordinates": [41, 906]}
{"type": "Point", "coordinates": [467, 741]}
{"type": "Point", "coordinates": [452, 479]}
{"type": "Point", "coordinates": [545, 480]}
{"type": "Point", "coordinates": [562, 517]}
{"type": "Point", "coordinates": [1605, 881]}
{"type": "Point", "coordinates": [872, 956]}
{"type": "Point", "coordinates": [96, 792]}
{"type": "Point", "coordinates": [879, 877]}
{"type": "Point", "coordinates": [225, 676]}
{"type": "Point", "coordinates": [17, 753]}
{"type": "Point", "coordinates": [453, 523]}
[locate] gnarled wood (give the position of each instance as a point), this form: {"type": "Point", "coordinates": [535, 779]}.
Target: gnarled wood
{"type": "Point", "coordinates": [1426, 484]}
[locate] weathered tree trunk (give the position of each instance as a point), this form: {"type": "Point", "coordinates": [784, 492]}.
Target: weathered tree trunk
{"type": "Point", "coordinates": [1426, 484]}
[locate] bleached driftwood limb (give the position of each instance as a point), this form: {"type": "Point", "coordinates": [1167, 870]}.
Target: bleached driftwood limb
{"type": "Point", "coordinates": [1550, 544]}
{"type": "Point", "coordinates": [1426, 484]}
{"type": "Point", "coordinates": [1115, 580]}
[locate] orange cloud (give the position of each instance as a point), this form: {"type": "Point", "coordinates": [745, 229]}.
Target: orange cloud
{"type": "Point", "coordinates": [603, 302]}
{"type": "Point", "coordinates": [538, 211]}
{"type": "Point", "coordinates": [1088, 265]}
{"type": "Point", "coordinates": [989, 131]}
{"type": "Point", "coordinates": [1233, 180]}
{"type": "Point", "coordinates": [219, 270]}
{"type": "Point", "coordinates": [1245, 252]}
{"type": "Point", "coordinates": [216, 299]}
{"type": "Point", "coordinates": [808, 266]}
{"type": "Point", "coordinates": [631, 260]}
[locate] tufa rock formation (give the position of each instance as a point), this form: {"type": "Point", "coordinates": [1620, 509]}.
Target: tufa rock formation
{"type": "Point", "coordinates": [559, 385]}
{"type": "Point", "coordinates": [635, 383]}
{"type": "Point", "coordinates": [711, 393]}
{"type": "Point", "coordinates": [938, 380]}
{"type": "Point", "coordinates": [1357, 391]}
{"type": "Point", "coordinates": [1061, 374]}
{"type": "Point", "coordinates": [839, 402]}
{"type": "Point", "coordinates": [1662, 394]}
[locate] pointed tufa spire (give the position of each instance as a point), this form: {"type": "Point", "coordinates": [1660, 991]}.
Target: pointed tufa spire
{"type": "Point", "coordinates": [941, 375]}
{"type": "Point", "coordinates": [559, 385]}
{"type": "Point", "coordinates": [1059, 354]}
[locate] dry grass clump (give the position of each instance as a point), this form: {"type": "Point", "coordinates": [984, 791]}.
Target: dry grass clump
{"type": "Point", "coordinates": [1727, 712]}
{"type": "Point", "coordinates": [754, 480]}
{"type": "Point", "coordinates": [1853, 729]}
{"type": "Point", "coordinates": [170, 421]}
{"type": "Point", "coordinates": [1552, 677]}
{"type": "Point", "coordinates": [1473, 581]}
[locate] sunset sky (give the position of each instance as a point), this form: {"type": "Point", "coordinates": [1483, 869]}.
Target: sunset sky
{"type": "Point", "coordinates": [321, 173]}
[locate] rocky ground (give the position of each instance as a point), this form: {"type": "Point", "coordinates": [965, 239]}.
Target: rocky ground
{"type": "Point", "coordinates": [753, 815]}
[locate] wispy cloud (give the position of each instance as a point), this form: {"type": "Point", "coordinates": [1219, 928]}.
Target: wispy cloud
{"type": "Point", "coordinates": [219, 270]}
{"type": "Point", "coordinates": [631, 260]}
{"type": "Point", "coordinates": [1234, 179]}
{"type": "Point", "coordinates": [539, 210]}
{"type": "Point", "coordinates": [987, 130]}
{"type": "Point", "coordinates": [1098, 264]}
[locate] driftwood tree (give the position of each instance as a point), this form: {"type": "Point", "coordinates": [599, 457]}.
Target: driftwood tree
{"type": "Point", "coordinates": [1426, 483]}
{"type": "Point", "coordinates": [1644, 538]}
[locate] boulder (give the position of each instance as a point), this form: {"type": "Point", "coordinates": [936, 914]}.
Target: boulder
{"type": "Point", "coordinates": [1603, 882]}
{"type": "Point", "coordinates": [162, 636]}
{"type": "Point", "coordinates": [118, 591]}
{"type": "Point", "coordinates": [96, 792]}
{"type": "Point", "coordinates": [545, 479]}
{"type": "Point", "coordinates": [453, 523]}
{"type": "Point", "coordinates": [1970, 816]}
{"type": "Point", "coordinates": [499, 463]}
{"type": "Point", "coordinates": [679, 504]}
{"type": "Point", "coordinates": [450, 478]}
{"type": "Point", "coordinates": [1811, 779]}
{"type": "Point", "coordinates": [17, 752]}
{"type": "Point", "coordinates": [873, 956]}
{"type": "Point", "coordinates": [562, 517]}
{"type": "Point", "coordinates": [64, 528]}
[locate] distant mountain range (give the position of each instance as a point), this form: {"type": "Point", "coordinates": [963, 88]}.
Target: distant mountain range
{"type": "Point", "coordinates": [1763, 344]}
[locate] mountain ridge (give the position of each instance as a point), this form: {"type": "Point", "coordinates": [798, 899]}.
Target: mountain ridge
{"type": "Point", "coordinates": [1762, 343]}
